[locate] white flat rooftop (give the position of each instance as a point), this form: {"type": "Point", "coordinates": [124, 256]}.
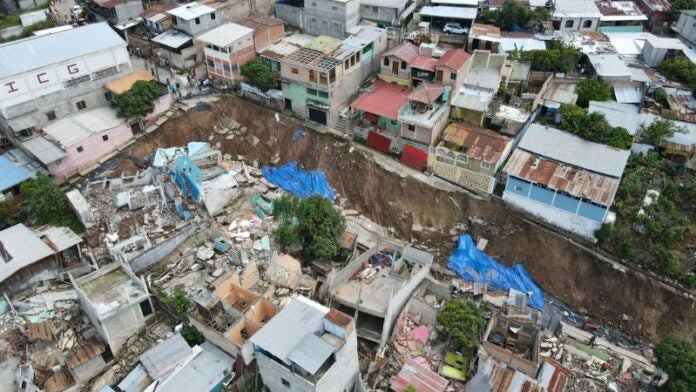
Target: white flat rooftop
{"type": "Point", "coordinates": [191, 11]}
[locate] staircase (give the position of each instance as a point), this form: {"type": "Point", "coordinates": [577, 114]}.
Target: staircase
{"type": "Point", "coordinates": [340, 124]}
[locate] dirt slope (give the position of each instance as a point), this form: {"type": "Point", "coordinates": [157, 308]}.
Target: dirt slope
{"type": "Point", "coordinates": [565, 270]}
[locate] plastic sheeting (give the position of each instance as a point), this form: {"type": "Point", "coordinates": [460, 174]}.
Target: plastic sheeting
{"type": "Point", "coordinates": [473, 265]}
{"type": "Point", "coordinates": [300, 183]}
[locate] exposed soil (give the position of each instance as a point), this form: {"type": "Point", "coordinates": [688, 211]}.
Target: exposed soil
{"type": "Point", "coordinates": [627, 301]}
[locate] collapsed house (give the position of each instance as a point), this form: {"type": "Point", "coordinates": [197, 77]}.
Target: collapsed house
{"type": "Point", "coordinates": [32, 256]}
{"type": "Point", "coordinates": [374, 286]}
{"type": "Point", "coordinates": [116, 302]}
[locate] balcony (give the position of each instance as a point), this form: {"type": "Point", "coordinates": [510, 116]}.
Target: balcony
{"type": "Point", "coordinates": [422, 115]}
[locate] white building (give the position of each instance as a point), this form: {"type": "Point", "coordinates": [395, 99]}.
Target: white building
{"type": "Point", "coordinates": [686, 28]}
{"type": "Point", "coordinates": [226, 49]}
{"type": "Point", "coordinates": [576, 15]}
{"type": "Point", "coordinates": [49, 77]}
{"type": "Point", "coordinates": [308, 347]}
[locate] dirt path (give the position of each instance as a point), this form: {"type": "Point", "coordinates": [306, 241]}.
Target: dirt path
{"type": "Point", "coordinates": [623, 300]}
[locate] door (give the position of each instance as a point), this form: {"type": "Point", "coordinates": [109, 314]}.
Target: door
{"type": "Point", "coordinates": [317, 115]}
{"type": "Point", "coordinates": [395, 67]}
{"type": "Point", "coordinates": [288, 104]}
{"type": "Point", "coordinates": [438, 75]}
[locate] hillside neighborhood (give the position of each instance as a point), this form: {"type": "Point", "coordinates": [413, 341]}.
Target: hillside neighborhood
{"type": "Point", "coordinates": [347, 195]}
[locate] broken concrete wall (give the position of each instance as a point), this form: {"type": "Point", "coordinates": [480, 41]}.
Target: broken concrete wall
{"type": "Point", "coordinates": [338, 277]}
{"type": "Point", "coordinates": [216, 338]}
{"type": "Point", "coordinates": [81, 207]}
{"type": "Point", "coordinates": [89, 369]}
{"type": "Point", "coordinates": [160, 251]}
{"type": "Point", "coordinates": [284, 270]}
{"type": "Point", "coordinates": [236, 297]}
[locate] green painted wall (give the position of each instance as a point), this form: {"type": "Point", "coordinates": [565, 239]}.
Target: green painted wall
{"type": "Point", "coordinates": [393, 126]}
{"type": "Point", "coordinates": [298, 92]}
{"type": "Point", "coordinates": [621, 29]}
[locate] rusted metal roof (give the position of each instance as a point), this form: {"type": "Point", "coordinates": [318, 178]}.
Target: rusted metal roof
{"type": "Point", "coordinates": [578, 182]}
{"type": "Point", "coordinates": [454, 59]}
{"type": "Point", "coordinates": [385, 99]}
{"type": "Point", "coordinates": [59, 382]}
{"type": "Point", "coordinates": [426, 93]}
{"type": "Point", "coordinates": [418, 376]}
{"type": "Point", "coordinates": [339, 318]}
{"type": "Point", "coordinates": [84, 352]}
{"type": "Point", "coordinates": [257, 23]}
{"type": "Point", "coordinates": [406, 52]}
{"type": "Point", "coordinates": [41, 331]}
{"type": "Point", "coordinates": [477, 143]}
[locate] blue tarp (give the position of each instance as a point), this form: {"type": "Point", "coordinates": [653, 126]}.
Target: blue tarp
{"type": "Point", "coordinates": [473, 265]}
{"type": "Point", "coordinates": [300, 183]}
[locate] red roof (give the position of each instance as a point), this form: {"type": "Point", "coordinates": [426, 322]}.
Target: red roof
{"type": "Point", "coordinates": [426, 93]}
{"type": "Point", "coordinates": [454, 59]}
{"type": "Point", "coordinates": [385, 100]}
{"type": "Point", "coordinates": [418, 376]}
{"type": "Point", "coordinates": [406, 52]}
{"type": "Point", "coordinates": [424, 62]}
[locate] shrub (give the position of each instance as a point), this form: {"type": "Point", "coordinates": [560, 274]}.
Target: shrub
{"type": "Point", "coordinates": [678, 359]}
{"type": "Point", "coordinates": [593, 127]}
{"type": "Point", "coordinates": [139, 101]}
{"type": "Point", "coordinates": [192, 335]}
{"type": "Point", "coordinates": [463, 322]}
{"type": "Point", "coordinates": [258, 74]}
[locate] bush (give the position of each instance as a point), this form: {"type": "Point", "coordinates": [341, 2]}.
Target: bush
{"type": "Point", "coordinates": [592, 90]}
{"type": "Point", "coordinates": [660, 95]}
{"type": "Point", "coordinates": [463, 322]}
{"type": "Point", "coordinates": [604, 233]}
{"type": "Point", "coordinates": [655, 133]}
{"type": "Point", "coordinates": [192, 335]}
{"type": "Point", "coordinates": [681, 69]}
{"type": "Point", "coordinates": [44, 203]}
{"type": "Point", "coordinates": [512, 14]}
{"type": "Point", "coordinates": [178, 301]}
{"type": "Point", "coordinates": [678, 359]}
{"type": "Point", "coordinates": [593, 127]}
{"type": "Point", "coordinates": [139, 101]}
{"type": "Point", "coordinates": [259, 74]}
{"type": "Point", "coordinates": [557, 57]}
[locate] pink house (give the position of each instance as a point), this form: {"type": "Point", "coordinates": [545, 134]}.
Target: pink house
{"type": "Point", "coordinates": [75, 143]}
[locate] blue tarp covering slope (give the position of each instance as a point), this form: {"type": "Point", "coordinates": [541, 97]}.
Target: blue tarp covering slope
{"type": "Point", "coordinates": [300, 183]}
{"type": "Point", "coordinates": [473, 265]}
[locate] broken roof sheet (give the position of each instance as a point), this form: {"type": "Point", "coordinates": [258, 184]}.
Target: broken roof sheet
{"type": "Point", "coordinates": [419, 376]}
{"type": "Point", "coordinates": [598, 188]}
{"type": "Point", "coordinates": [10, 175]}
{"type": "Point", "coordinates": [426, 93]}
{"type": "Point", "coordinates": [385, 99]}
{"type": "Point", "coordinates": [84, 352]}
{"type": "Point", "coordinates": [283, 332]}
{"type": "Point", "coordinates": [454, 59]}
{"type": "Point", "coordinates": [136, 381]}
{"type": "Point", "coordinates": [59, 238]}
{"type": "Point", "coordinates": [24, 248]}
{"type": "Point", "coordinates": [162, 358]}
{"type": "Point", "coordinates": [311, 353]}
{"type": "Point", "coordinates": [406, 52]}
{"type": "Point", "coordinates": [620, 11]}
{"type": "Point", "coordinates": [477, 143]}
{"type": "Point", "coordinates": [573, 150]}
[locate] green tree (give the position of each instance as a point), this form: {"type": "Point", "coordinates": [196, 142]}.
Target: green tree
{"type": "Point", "coordinates": [558, 57]}
{"type": "Point", "coordinates": [463, 322]}
{"type": "Point", "coordinates": [681, 69]}
{"type": "Point", "coordinates": [677, 6]}
{"type": "Point", "coordinates": [139, 101]}
{"type": "Point", "coordinates": [512, 13]}
{"type": "Point", "coordinates": [593, 127]}
{"type": "Point", "coordinates": [660, 95]}
{"type": "Point", "coordinates": [259, 74]}
{"type": "Point", "coordinates": [678, 359]}
{"type": "Point", "coordinates": [655, 133]}
{"type": "Point", "coordinates": [192, 335]}
{"type": "Point", "coordinates": [592, 90]}
{"type": "Point", "coordinates": [177, 300]}
{"type": "Point", "coordinates": [320, 226]}
{"type": "Point", "coordinates": [7, 214]}
{"type": "Point", "coordinates": [44, 202]}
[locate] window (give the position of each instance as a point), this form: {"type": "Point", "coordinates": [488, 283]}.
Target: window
{"type": "Point", "coordinates": [453, 76]}
{"type": "Point", "coordinates": [211, 63]}
{"type": "Point", "coordinates": [146, 308]}
{"type": "Point", "coordinates": [312, 76]}
{"type": "Point", "coordinates": [81, 105]}
{"type": "Point", "coordinates": [485, 165]}
{"type": "Point", "coordinates": [295, 71]}
{"type": "Point", "coordinates": [311, 91]}
{"type": "Point", "coordinates": [174, 20]}
{"type": "Point", "coordinates": [569, 24]}
{"type": "Point", "coordinates": [411, 127]}
{"type": "Point", "coordinates": [105, 138]}
{"type": "Point", "coordinates": [197, 21]}
{"type": "Point", "coordinates": [346, 64]}
{"type": "Point", "coordinates": [374, 8]}
{"type": "Point", "coordinates": [334, 8]}
{"type": "Point", "coordinates": [518, 188]}
{"type": "Point", "coordinates": [80, 149]}
{"type": "Point", "coordinates": [323, 94]}
{"type": "Point", "coordinates": [462, 160]}
{"type": "Point", "coordinates": [51, 115]}
{"type": "Point", "coordinates": [284, 381]}
{"type": "Point", "coordinates": [587, 24]}
{"type": "Point", "coordinates": [386, 61]}
{"type": "Point", "coordinates": [108, 96]}
{"type": "Point", "coordinates": [226, 67]}
{"type": "Point", "coordinates": [212, 16]}
{"type": "Point", "coordinates": [444, 155]}
{"type": "Point", "coordinates": [403, 65]}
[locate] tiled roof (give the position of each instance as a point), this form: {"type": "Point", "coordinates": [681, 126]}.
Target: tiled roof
{"type": "Point", "coordinates": [406, 52]}
{"type": "Point", "coordinates": [424, 62]}
{"type": "Point", "coordinates": [426, 93]}
{"type": "Point", "coordinates": [454, 59]}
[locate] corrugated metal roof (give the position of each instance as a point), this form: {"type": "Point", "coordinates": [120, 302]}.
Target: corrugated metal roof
{"type": "Point", "coordinates": [477, 143]}
{"type": "Point", "coordinates": [84, 352]}
{"type": "Point", "coordinates": [136, 381]}
{"type": "Point", "coordinates": [205, 372]}
{"type": "Point", "coordinates": [36, 52]}
{"type": "Point", "coordinates": [442, 11]}
{"type": "Point", "coordinates": [44, 150]}
{"type": "Point", "coordinates": [628, 92]}
{"type": "Point", "coordinates": [225, 34]}
{"type": "Point", "coordinates": [191, 10]}
{"type": "Point", "coordinates": [10, 175]}
{"type": "Point", "coordinates": [24, 247]}
{"type": "Point", "coordinates": [470, 3]}
{"type": "Point", "coordinates": [406, 52]}
{"type": "Point", "coordinates": [578, 182]}
{"type": "Point", "coordinates": [369, 33]}
{"type": "Point", "coordinates": [618, 115]}
{"type": "Point", "coordinates": [59, 238]}
{"type": "Point", "coordinates": [68, 131]}
{"type": "Point", "coordinates": [385, 100]}
{"type": "Point", "coordinates": [23, 161]}
{"type": "Point", "coordinates": [420, 377]}
{"type": "Point", "coordinates": [163, 357]}
{"type": "Point", "coordinates": [284, 331]}
{"type": "Point", "coordinates": [311, 353]}
{"type": "Point", "coordinates": [573, 150]}
{"type": "Point", "coordinates": [172, 38]}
